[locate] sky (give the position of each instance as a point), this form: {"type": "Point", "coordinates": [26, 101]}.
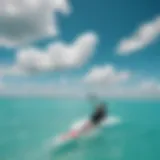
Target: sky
{"type": "Point", "coordinates": [73, 47]}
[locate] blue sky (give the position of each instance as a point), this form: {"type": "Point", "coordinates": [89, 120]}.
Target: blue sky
{"type": "Point", "coordinates": [118, 44]}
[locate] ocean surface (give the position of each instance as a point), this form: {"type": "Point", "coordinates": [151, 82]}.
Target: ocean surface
{"type": "Point", "coordinates": [28, 126]}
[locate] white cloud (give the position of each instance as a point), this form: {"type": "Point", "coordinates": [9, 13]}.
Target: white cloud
{"type": "Point", "coordinates": [42, 89]}
{"type": "Point", "coordinates": [11, 71]}
{"type": "Point", "coordinates": [57, 56]}
{"type": "Point", "coordinates": [144, 35]}
{"type": "Point", "coordinates": [149, 87]}
{"type": "Point", "coordinates": [22, 21]}
{"type": "Point", "coordinates": [1, 83]}
{"type": "Point", "coordinates": [105, 75]}
{"type": "Point", "coordinates": [145, 89]}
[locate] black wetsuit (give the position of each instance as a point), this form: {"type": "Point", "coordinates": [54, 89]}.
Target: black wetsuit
{"type": "Point", "coordinates": [99, 115]}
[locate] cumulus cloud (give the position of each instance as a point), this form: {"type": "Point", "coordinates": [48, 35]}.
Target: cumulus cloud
{"type": "Point", "coordinates": [149, 87]}
{"type": "Point", "coordinates": [1, 83]}
{"type": "Point", "coordinates": [22, 21]}
{"type": "Point", "coordinates": [57, 56]}
{"type": "Point", "coordinates": [41, 89]}
{"type": "Point", "coordinates": [144, 89]}
{"type": "Point", "coordinates": [11, 71]}
{"type": "Point", "coordinates": [105, 75]}
{"type": "Point", "coordinates": [142, 37]}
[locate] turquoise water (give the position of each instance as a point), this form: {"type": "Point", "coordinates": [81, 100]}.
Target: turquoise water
{"type": "Point", "coordinates": [28, 124]}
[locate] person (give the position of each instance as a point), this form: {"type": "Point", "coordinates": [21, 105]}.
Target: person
{"type": "Point", "coordinates": [96, 117]}
{"type": "Point", "coordinates": [99, 114]}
